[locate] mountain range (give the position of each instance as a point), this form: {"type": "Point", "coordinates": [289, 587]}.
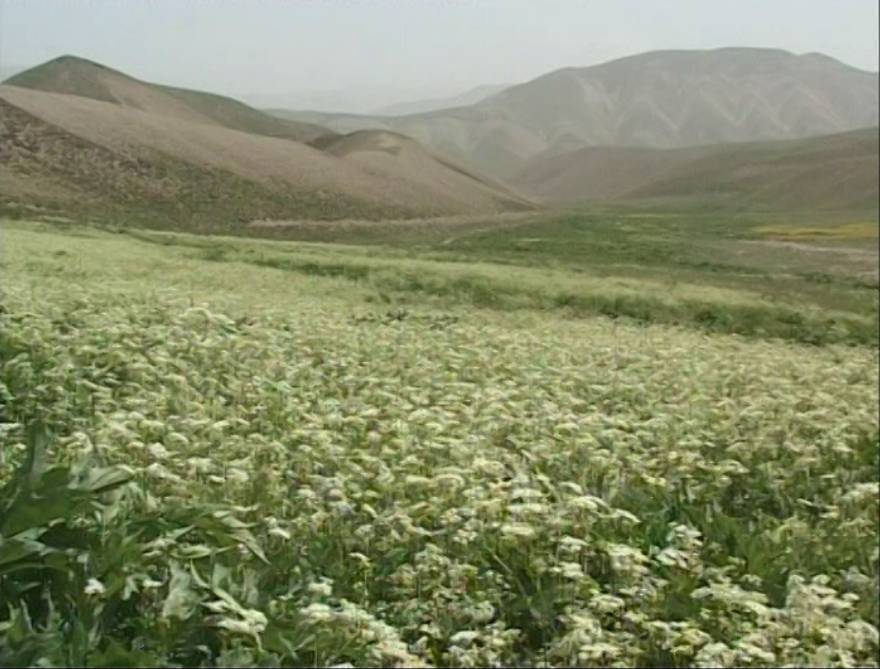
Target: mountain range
{"type": "Point", "coordinates": [76, 132]}
{"type": "Point", "coordinates": [663, 99]}
{"type": "Point", "coordinates": [758, 127]}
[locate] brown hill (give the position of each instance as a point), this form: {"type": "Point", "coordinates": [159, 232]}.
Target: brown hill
{"type": "Point", "coordinates": [664, 99]}
{"type": "Point", "coordinates": [77, 76]}
{"type": "Point", "coordinates": [412, 167]}
{"type": "Point", "coordinates": [158, 161]}
{"type": "Point", "coordinates": [838, 171]}
{"type": "Point", "coordinates": [832, 172]}
{"type": "Point", "coordinates": [600, 172]}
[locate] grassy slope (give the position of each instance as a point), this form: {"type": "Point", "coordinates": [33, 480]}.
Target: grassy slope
{"type": "Point", "coordinates": [76, 76]}
{"type": "Point", "coordinates": [831, 172]}
{"type": "Point", "coordinates": [718, 273]}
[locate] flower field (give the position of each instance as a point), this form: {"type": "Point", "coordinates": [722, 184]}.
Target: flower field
{"type": "Point", "coordinates": [212, 465]}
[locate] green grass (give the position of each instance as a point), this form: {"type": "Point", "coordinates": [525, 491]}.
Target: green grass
{"type": "Point", "coordinates": [226, 452]}
{"type": "Point", "coordinates": [689, 268]}
{"type": "Point", "coordinates": [693, 268]}
{"type": "Point", "coordinates": [858, 230]}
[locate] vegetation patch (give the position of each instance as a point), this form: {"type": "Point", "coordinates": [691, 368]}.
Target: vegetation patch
{"type": "Point", "coordinates": [228, 465]}
{"type": "Point", "coordinates": [223, 452]}
{"type": "Point", "coordinates": [855, 230]}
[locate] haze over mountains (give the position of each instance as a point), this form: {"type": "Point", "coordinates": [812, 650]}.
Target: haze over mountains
{"type": "Point", "coordinates": [470, 97]}
{"type": "Point", "coordinates": [663, 99]}
{"type": "Point", "coordinates": [376, 99]}
{"type": "Point", "coordinates": [761, 127]}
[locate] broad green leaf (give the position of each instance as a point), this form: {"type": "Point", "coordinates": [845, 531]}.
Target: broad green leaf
{"type": "Point", "coordinates": [106, 479]}
{"type": "Point", "coordinates": [20, 548]}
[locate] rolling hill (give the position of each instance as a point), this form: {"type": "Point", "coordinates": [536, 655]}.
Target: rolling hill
{"type": "Point", "coordinates": [837, 171]}
{"type": "Point", "coordinates": [78, 136]}
{"type": "Point", "coordinates": [71, 75]}
{"type": "Point", "coordinates": [399, 157]}
{"type": "Point", "coordinates": [663, 99]}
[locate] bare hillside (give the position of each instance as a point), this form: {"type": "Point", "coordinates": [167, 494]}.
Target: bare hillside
{"type": "Point", "coordinates": [663, 99]}
{"type": "Point", "coordinates": [71, 149]}
{"type": "Point", "coordinates": [840, 171]}
{"type": "Point", "coordinates": [836, 171]}
{"type": "Point", "coordinates": [414, 169]}
{"type": "Point", "coordinates": [83, 78]}
{"type": "Point", "coordinates": [599, 172]}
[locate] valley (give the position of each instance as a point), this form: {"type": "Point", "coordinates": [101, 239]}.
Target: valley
{"type": "Point", "coordinates": [579, 372]}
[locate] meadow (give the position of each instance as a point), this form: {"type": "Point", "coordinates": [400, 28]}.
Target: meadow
{"type": "Point", "coordinates": [610, 440]}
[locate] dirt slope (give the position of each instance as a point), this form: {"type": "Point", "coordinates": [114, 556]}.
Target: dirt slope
{"type": "Point", "coordinates": [78, 149]}
{"type": "Point", "coordinates": [83, 78]}
{"type": "Point", "coordinates": [835, 171]}
{"type": "Point", "coordinates": [470, 97]}
{"type": "Point", "coordinates": [832, 172]}
{"type": "Point", "coordinates": [413, 169]}
{"type": "Point", "coordinates": [599, 172]}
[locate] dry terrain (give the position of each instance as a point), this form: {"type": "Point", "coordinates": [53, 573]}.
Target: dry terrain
{"type": "Point", "coordinates": [663, 99]}
{"type": "Point", "coordinates": [148, 150]}
{"type": "Point", "coordinates": [831, 172]}
{"type": "Point", "coordinates": [70, 75]}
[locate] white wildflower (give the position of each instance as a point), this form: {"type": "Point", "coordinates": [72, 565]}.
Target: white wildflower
{"type": "Point", "coordinates": [157, 451]}
{"type": "Point", "coordinates": [518, 530]}
{"type": "Point", "coordinates": [464, 638]}
{"type": "Point", "coordinates": [94, 587]}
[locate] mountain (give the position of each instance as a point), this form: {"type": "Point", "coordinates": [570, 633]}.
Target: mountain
{"type": "Point", "coordinates": [470, 97]}
{"type": "Point", "coordinates": [662, 99]}
{"type": "Point", "coordinates": [837, 171]}
{"type": "Point", "coordinates": [79, 137]}
{"type": "Point", "coordinates": [76, 76]}
{"type": "Point", "coordinates": [405, 160]}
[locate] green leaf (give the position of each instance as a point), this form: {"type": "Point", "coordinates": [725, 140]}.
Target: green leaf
{"type": "Point", "coordinates": [31, 511]}
{"type": "Point", "coordinates": [37, 439]}
{"type": "Point", "coordinates": [103, 480]}
{"type": "Point", "coordinates": [53, 496]}
{"type": "Point", "coordinates": [116, 655]}
{"type": "Point", "coordinates": [20, 548]}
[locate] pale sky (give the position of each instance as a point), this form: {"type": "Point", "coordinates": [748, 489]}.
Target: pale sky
{"type": "Point", "coordinates": [435, 46]}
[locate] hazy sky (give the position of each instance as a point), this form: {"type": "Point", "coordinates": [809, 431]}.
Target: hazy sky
{"type": "Point", "coordinates": [256, 46]}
